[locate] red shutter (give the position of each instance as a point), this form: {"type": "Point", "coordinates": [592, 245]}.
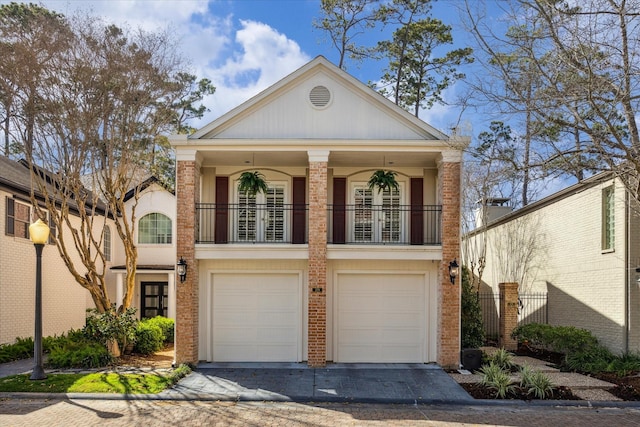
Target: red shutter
{"type": "Point", "coordinates": [417, 211]}
{"type": "Point", "coordinates": [222, 209]}
{"type": "Point", "coordinates": [299, 220]}
{"type": "Point", "coordinates": [339, 217]}
{"type": "Point", "coordinates": [10, 227]}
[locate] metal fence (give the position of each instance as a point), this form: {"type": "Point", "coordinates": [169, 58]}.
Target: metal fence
{"type": "Point", "coordinates": [532, 308]}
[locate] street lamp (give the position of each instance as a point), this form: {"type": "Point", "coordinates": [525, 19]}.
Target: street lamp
{"type": "Point", "coordinates": [39, 234]}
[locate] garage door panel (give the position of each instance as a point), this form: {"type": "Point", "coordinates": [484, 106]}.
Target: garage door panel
{"type": "Point", "coordinates": [381, 318]}
{"type": "Point", "coordinates": [256, 317]}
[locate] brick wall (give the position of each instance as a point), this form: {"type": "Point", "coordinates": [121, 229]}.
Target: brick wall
{"type": "Point", "coordinates": [508, 315]}
{"type": "Point", "coordinates": [187, 184]}
{"type": "Point", "coordinates": [317, 345]}
{"type": "Point", "coordinates": [449, 304]}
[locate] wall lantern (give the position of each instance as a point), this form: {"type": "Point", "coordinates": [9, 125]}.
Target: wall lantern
{"type": "Point", "coordinates": [182, 269]}
{"type": "Point", "coordinates": [454, 270]}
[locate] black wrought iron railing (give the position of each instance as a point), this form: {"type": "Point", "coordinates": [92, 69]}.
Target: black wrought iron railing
{"type": "Point", "coordinates": [386, 224]}
{"type": "Point", "coordinates": [347, 224]}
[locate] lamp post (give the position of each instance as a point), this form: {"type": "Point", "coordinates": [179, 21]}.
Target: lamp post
{"type": "Point", "coordinates": [39, 234]}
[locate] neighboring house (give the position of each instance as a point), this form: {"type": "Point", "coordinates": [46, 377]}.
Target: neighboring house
{"type": "Point", "coordinates": [320, 268]}
{"type": "Point", "coordinates": [155, 240]}
{"type": "Point", "coordinates": [581, 246]}
{"type": "Point", "coordinates": [64, 301]}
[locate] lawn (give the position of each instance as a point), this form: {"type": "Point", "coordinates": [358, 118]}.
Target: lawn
{"type": "Point", "coordinates": [146, 383]}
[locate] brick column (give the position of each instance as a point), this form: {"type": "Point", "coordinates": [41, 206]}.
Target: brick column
{"type": "Point", "coordinates": [508, 315]}
{"type": "Point", "coordinates": [186, 327]}
{"type": "Point", "coordinates": [449, 177]}
{"type": "Point", "coordinates": [317, 286]}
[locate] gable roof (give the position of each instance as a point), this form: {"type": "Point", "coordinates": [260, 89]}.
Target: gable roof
{"type": "Point", "coordinates": [360, 107]}
{"type": "Point", "coordinates": [14, 175]}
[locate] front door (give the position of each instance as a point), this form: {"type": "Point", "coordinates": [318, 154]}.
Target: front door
{"type": "Point", "coordinates": [155, 299]}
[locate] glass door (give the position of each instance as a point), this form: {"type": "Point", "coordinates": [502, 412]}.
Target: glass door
{"type": "Point", "coordinates": [377, 216]}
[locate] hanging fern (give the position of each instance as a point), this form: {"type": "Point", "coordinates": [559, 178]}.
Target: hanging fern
{"type": "Point", "coordinates": [252, 183]}
{"type": "Point", "coordinates": [382, 180]}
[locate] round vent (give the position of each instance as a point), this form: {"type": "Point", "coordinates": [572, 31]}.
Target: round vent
{"type": "Point", "coordinates": [320, 96]}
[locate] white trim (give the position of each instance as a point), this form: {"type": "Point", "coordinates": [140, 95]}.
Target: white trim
{"type": "Point", "coordinates": [251, 251]}
{"type": "Point", "coordinates": [385, 252]}
{"type": "Point", "coordinates": [318, 155]}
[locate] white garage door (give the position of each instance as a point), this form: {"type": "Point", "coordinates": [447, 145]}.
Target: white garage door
{"type": "Point", "coordinates": [380, 318]}
{"type": "Point", "coordinates": [256, 318]}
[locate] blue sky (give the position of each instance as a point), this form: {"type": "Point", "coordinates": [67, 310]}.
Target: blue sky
{"type": "Point", "coordinates": [244, 46]}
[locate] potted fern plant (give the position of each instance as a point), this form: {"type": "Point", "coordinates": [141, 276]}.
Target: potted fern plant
{"type": "Point", "coordinates": [252, 183]}
{"type": "Point", "coordinates": [382, 180]}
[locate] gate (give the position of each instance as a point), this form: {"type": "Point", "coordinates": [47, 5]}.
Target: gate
{"type": "Point", "coordinates": [532, 308]}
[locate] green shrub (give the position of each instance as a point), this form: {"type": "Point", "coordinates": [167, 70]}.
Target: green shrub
{"type": "Point", "coordinates": [536, 383]}
{"type": "Point", "coordinates": [561, 339]}
{"type": "Point", "coordinates": [502, 358]}
{"type": "Point", "coordinates": [165, 324]}
{"type": "Point", "coordinates": [21, 349]}
{"type": "Point", "coordinates": [472, 330]}
{"type": "Point", "coordinates": [496, 378]}
{"type": "Point", "coordinates": [149, 338]}
{"type": "Point", "coordinates": [81, 354]}
{"type": "Point", "coordinates": [110, 325]}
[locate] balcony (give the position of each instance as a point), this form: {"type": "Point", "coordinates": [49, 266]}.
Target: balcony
{"type": "Point", "coordinates": [279, 223]}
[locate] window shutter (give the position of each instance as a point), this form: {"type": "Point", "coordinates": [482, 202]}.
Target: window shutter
{"type": "Point", "coordinates": [299, 219]}
{"type": "Point", "coordinates": [222, 206]}
{"type": "Point", "coordinates": [339, 201]}
{"type": "Point", "coordinates": [417, 211]}
{"type": "Point", "coordinates": [10, 224]}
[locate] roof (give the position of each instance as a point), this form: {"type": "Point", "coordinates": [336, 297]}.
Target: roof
{"type": "Point", "coordinates": [14, 175]}
{"type": "Point", "coordinates": [144, 185]}
{"type": "Point", "coordinates": [551, 199]}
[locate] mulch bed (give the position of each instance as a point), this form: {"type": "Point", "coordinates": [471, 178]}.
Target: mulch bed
{"type": "Point", "coordinates": [627, 388]}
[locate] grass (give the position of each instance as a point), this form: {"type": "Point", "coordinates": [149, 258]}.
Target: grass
{"type": "Point", "coordinates": [94, 383]}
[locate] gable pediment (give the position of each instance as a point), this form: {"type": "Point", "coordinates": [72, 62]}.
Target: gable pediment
{"type": "Point", "coordinates": [319, 101]}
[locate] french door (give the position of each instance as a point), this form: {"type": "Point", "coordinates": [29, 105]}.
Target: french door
{"type": "Point", "coordinates": [377, 217]}
{"type": "Point", "coordinates": [263, 217]}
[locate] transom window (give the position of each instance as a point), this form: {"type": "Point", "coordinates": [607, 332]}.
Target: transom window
{"type": "Point", "coordinates": [154, 228]}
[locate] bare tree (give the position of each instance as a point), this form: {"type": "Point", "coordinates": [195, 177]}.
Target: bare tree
{"type": "Point", "coordinates": [585, 57]}
{"type": "Point", "coordinates": [101, 102]}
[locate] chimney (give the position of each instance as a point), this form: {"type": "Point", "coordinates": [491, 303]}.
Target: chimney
{"type": "Point", "coordinates": [490, 209]}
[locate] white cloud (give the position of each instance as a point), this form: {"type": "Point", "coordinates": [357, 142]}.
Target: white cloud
{"type": "Point", "coordinates": [261, 57]}
{"type": "Point", "coordinates": [240, 62]}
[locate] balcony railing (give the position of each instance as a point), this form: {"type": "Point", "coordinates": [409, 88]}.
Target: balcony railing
{"type": "Point", "coordinates": [251, 223]}
{"type": "Point", "coordinates": [347, 224]}
{"type": "Point", "coordinates": [388, 224]}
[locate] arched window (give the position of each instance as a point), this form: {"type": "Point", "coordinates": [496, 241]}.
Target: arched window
{"type": "Point", "coordinates": [106, 243]}
{"type": "Point", "coordinates": [154, 228]}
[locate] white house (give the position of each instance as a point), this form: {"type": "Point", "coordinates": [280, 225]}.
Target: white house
{"type": "Point", "coordinates": [581, 246]}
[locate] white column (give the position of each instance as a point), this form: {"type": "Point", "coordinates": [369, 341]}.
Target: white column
{"type": "Point", "coordinates": [119, 289]}
{"type": "Point", "coordinates": [171, 309]}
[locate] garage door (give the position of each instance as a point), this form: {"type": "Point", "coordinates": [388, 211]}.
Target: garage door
{"type": "Point", "coordinates": [256, 318]}
{"type": "Point", "coordinates": [380, 318]}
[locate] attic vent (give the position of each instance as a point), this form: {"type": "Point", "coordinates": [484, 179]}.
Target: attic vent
{"type": "Point", "coordinates": [319, 96]}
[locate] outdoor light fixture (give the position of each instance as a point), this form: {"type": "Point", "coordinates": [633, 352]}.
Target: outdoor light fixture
{"type": "Point", "coordinates": [182, 269]}
{"type": "Point", "coordinates": [39, 234]}
{"type": "Point", "coordinates": [454, 270]}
